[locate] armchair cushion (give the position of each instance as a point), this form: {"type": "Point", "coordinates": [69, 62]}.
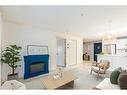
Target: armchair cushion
{"type": "Point", "coordinates": [98, 70]}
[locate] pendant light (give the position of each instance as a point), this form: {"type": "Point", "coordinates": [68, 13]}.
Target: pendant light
{"type": "Point", "coordinates": [109, 38]}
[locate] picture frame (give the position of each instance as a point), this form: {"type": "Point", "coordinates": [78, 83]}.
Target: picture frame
{"type": "Point", "coordinates": [37, 49]}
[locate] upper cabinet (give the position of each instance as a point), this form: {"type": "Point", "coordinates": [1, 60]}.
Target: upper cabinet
{"type": "Point", "coordinates": [121, 46]}
{"type": "Point", "coordinates": [121, 43]}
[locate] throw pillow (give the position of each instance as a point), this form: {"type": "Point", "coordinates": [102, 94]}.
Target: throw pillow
{"type": "Point", "coordinates": [122, 80]}
{"type": "Point", "coordinates": [114, 75]}
{"type": "Point", "coordinates": [118, 69]}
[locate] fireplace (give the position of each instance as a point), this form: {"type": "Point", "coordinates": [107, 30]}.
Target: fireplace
{"type": "Point", "coordinates": [35, 65]}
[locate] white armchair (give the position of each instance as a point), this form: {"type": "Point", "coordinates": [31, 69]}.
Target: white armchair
{"type": "Point", "coordinates": [100, 68]}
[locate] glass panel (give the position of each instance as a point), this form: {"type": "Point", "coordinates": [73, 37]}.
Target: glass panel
{"type": "Point", "coordinates": [36, 67]}
{"type": "Point", "coordinates": [110, 49]}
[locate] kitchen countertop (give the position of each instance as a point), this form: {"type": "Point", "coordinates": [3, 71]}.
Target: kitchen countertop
{"type": "Point", "coordinates": [122, 55]}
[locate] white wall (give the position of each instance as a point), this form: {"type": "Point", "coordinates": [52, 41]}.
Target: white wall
{"type": "Point", "coordinates": [79, 50]}
{"type": "Point", "coordinates": [0, 43]}
{"type": "Point", "coordinates": [23, 35]}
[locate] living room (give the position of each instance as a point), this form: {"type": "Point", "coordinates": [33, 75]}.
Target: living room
{"type": "Point", "coordinates": [59, 33]}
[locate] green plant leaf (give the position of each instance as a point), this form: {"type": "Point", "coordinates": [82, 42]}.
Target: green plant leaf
{"type": "Point", "coordinates": [11, 56]}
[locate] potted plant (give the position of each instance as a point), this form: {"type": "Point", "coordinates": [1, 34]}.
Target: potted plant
{"type": "Point", "coordinates": [11, 56]}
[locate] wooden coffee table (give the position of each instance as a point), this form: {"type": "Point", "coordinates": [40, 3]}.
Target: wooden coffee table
{"type": "Point", "coordinates": [66, 82]}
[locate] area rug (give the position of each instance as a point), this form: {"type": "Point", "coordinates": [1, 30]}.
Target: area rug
{"type": "Point", "coordinates": [84, 80]}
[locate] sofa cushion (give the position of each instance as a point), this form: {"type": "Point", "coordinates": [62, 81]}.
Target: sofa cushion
{"type": "Point", "coordinates": [114, 75]}
{"type": "Point", "coordinates": [122, 80]}
{"type": "Point", "coordinates": [106, 85]}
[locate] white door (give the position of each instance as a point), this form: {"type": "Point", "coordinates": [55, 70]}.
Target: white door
{"type": "Point", "coordinates": [71, 52]}
{"type": "Point", "coordinates": [61, 52]}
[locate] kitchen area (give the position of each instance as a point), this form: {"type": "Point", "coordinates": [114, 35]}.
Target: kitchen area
{"type": "Point", "coordinates": [115, 51]}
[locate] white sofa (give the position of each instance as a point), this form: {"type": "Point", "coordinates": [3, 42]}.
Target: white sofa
{"type": "Point", "coordinates": [13, 84]}
{"type": "Point", "coordinates": [106, 85]}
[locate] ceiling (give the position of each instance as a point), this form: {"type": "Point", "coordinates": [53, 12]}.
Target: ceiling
{"type": "Point", "coordinates": [89, 22]}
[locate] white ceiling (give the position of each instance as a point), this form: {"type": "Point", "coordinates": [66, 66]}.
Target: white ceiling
{"type": "Point", "coordinates": [89, 22]}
